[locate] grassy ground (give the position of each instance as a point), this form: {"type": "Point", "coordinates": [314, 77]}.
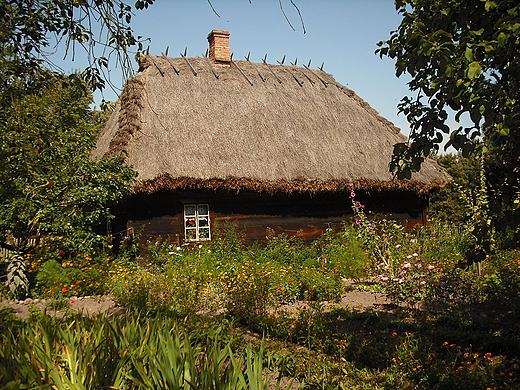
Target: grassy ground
{"type": "Point", "coordinates": [444, 326]}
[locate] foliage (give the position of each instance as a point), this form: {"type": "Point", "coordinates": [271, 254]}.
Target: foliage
{"type": "Point", "coordinates": [408, 282]}
{"type": "Point", "coordinates": [418, 282]}
{"type": "Point", "coordinates": [463, 58]}
{"type": "Point", "coordinates": [247, 281]}
{"type": "Point", "coordinates": [17, 281]}
{"type": "Point", "coordinates": [442, 243]}
{"type": "Point", "coordinates": [467, 204]}
{"type": "Point", "coordinates": [179, 288]}
{"type": "Point", "coordinates": [81, 275]}
{"type": "Point", "coordinates": [49, 185]}
{"type": "Point", "coordinates": [127, 353]}
{"type": "Point", "coordinates": [32, 30]}
{"type": "Point", "coordinates": [463, 334]}
{"type": "Point", "coordinates": [446, 203]}
{"type": "Point", "coordinates": [380, 237]}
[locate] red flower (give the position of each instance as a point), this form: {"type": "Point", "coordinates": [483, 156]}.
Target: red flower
{"type": "Point", "coordinates": [64, 289]}
{"type": "Point", "coordinates": [61, 253]}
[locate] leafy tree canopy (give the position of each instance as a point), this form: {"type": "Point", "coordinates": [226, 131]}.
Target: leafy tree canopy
{"type": "Point", "coordinates": [31, 31]}
{"type": "Point", "coordinates": [48, 183]}
{"type": "Point", "coordinates": [448, 203]}
{"type": "Point", "coordinates": [464, 58]}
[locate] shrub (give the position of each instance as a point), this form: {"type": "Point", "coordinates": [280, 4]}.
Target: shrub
{"type": "Point", "coordinates": [81, 275]}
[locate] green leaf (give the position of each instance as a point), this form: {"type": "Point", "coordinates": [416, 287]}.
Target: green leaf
{"type": "Point", "coordinates": [505, 131]}
{"type": "Point", "coordinates": [468, 54]}
{"type": "Point", "coordinates": [502, 39]}
{"type": "Point", "coordinates": [489, 5]}
{"type": "Point", "coordinates": [474, 70]}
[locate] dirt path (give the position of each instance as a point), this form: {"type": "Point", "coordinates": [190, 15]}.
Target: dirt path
{"type": "Point", "coordinates": [91, 306]}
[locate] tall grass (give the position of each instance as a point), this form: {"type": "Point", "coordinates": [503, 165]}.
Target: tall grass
{"type": "Point", "coordinates": [131, 352]}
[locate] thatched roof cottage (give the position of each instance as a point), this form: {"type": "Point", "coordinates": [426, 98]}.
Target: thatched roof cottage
{"type": "Point", "coordinates": [214, 140]}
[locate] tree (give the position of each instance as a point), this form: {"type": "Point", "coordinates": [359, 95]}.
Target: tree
{"type": "Point", "coordinates": [100, 30]}
{"type": "Point", "coordinates": [49, 185]}
{"type": "Point", "coordinates": [447, 204]}
{"type": "Point", "coordinates": [463, 57]}
{"type": "Point", "coordinates": [34, 30]}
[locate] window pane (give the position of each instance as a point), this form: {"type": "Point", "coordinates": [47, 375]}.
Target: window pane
{"type": "Point", "coordinates": [203, 209]}
{"type": "Point", "coordinates": [191, 234]}
{"type": "Point", "coordinates": [189, 209]}
{"type": "Point", "coordinates": [204, 233]}
{"type": "Point", "coordinates": [190, 222]}
{"type": "Point", "coordinates": [203, 221]}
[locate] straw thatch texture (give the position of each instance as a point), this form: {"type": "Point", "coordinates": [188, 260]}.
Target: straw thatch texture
{"type": "Point", "coordinates": [226, 127]}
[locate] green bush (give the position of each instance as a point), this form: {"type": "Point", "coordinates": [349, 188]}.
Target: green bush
{"type": "Point", "coordinates": [80, 276]}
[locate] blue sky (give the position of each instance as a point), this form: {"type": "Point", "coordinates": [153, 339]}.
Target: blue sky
{"type": "Point", "coordinates": [342, 34]}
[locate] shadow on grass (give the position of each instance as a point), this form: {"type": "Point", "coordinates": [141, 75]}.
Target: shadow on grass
{"type": "Point", "coordinates": [465, 347]}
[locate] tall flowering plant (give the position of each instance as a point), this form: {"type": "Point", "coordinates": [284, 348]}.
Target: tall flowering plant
{"type": "Point", "coordinates": [378, 236]}
{"type": "Point", "coordinates": [410, 280]}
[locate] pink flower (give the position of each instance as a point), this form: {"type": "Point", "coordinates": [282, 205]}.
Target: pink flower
{"type": "Point", "coordinates": [409, 256]}
{"type": "Point", "coordinates": [407, 265]}
{"type": "Point", "coordinates": [384, 278]}
{"type": "Point", "coordinates": [398, 246]}
{"type": "Point", "coordinates": [422, 282]}
{"type": "Point", "coordinates": [430, 267]}
{"type": "Point", "coordinates": [415, 254]}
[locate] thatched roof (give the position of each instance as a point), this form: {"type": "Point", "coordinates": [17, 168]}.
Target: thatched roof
{"type": "Point", "coordinates": [188, 123]}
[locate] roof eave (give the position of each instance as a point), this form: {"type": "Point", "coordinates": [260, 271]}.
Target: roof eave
{"type": "Point", "coordinates": [299, 185]}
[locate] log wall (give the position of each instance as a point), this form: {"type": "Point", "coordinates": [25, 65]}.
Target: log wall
{"type": "Point", "coordinates": [161, 214]}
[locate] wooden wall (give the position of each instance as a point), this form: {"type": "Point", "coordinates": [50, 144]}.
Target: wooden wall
{"type": "Point", "coordinates": [161, 214]}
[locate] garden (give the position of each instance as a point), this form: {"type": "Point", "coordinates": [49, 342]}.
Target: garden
{"type": "Point", "coordinates": [222, 315]}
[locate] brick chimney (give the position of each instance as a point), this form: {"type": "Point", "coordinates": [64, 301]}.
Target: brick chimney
{"type": "Point", "coordinates": [219, 50]}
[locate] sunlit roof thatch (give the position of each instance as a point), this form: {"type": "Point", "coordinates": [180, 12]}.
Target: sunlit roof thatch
{"type": "Point", "coordinates": [252, 126]}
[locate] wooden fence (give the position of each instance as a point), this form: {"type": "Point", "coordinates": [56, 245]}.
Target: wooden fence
{"type": "Point", "coordinates": [5, 252]}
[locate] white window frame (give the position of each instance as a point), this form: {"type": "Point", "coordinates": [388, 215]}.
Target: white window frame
{"type": "Point", "coordinates": [197, 224]}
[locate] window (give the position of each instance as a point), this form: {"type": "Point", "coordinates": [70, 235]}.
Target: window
{"type": "Point", "coordinates": [196, 222]}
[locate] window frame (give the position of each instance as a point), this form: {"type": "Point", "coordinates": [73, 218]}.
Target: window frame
{"type": "Point", "coordinates": [201, 222]}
